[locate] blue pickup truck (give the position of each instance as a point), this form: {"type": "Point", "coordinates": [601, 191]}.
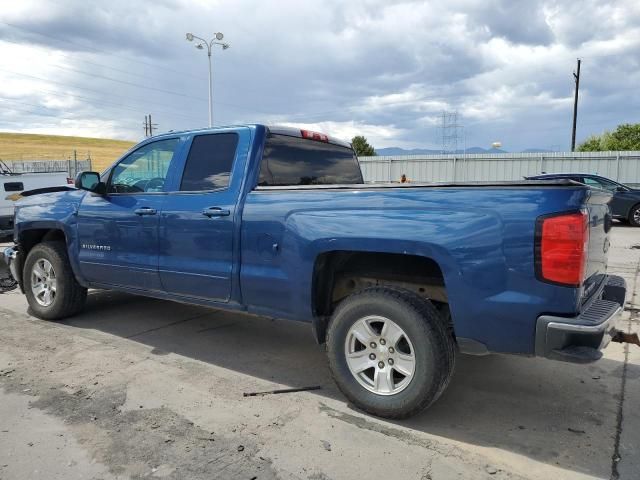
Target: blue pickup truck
{"type": "Point", "coordinates": [397, 280]}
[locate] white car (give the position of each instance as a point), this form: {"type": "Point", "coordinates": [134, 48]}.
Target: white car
{"type": "Point", "coordinates": [13, 184]}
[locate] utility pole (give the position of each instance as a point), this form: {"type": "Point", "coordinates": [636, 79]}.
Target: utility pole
{"type": "Point", "coordinates": [576, 77]}
{"type": "Point", "coordinates": [148, 126]}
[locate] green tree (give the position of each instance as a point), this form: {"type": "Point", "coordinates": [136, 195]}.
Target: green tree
{"type": "Point", "coordinates": [591, 144]}
{"type": "Point", "coordinates": [361, 146]}
{"type": "Point", "coordinates": [624, 137]}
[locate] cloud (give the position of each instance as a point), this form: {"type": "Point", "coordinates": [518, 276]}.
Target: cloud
{"type": "Point", "coordinates": [384, 69]}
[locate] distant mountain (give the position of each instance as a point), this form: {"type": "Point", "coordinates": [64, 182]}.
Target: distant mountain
{"type": "Point", "coordinates": [402, 151]}
{"type": "Point", "coordinates": [425, 151]}
{"type": "Point", "coordinates": [536, 150]}
{"type": "Point", "coordinates": [482, 150]}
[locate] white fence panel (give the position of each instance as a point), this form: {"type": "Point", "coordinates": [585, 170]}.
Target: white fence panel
{"type": "Point", "coordinates": [621, 166]}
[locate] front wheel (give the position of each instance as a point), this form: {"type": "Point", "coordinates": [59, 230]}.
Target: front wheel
{"type": "Point", "coordinates": [390, 351]}
{"type": "Point", "coordinates": [634, 216]}
{"type": "Point", "coordinates": [51, 288]}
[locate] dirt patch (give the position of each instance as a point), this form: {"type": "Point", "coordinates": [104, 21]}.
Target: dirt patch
{"type": "Point", "coordinates": [154, 442]}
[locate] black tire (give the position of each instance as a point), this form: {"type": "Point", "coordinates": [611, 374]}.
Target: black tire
{"type": "Point", "coordinates": [70, 296]}
{"type": "Point", "coordinates": [634, 216]}
{"type": "Point", "coordinates": [433, 344]}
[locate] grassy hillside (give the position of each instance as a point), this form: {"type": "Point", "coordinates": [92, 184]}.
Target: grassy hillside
{"type": "Point", "coordinates": [26, 146]}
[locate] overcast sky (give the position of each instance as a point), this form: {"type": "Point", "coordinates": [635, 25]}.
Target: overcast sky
{"type": "Point", "coordinates": [383, 69]}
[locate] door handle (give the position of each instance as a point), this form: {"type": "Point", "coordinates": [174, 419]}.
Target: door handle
{"type": "Point", "coordinates": [215, 212]}
{"type": "Point", "coordinates": [145, 211]}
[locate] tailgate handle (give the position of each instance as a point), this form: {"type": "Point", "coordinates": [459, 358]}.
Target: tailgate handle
{"type": "Point", "coordinates": [215, 212]}
{"type": "Point", "coordinates": [145, 211]}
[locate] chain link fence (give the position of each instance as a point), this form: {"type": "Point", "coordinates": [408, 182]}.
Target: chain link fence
{"type": "Point", "coordinates": [71, 167]}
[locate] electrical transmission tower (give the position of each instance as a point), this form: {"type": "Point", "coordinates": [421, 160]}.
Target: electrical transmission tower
{"type": "Point", "coordinates": [449, 132]}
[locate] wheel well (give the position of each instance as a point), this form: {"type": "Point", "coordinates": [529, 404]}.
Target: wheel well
{"type": "Point", "coordinates": [30, 238]}
{"type": "Point", "coordinates": [338, 274]}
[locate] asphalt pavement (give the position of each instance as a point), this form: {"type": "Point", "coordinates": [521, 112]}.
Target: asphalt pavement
{"type": "Point", "coordinates": [142, 388]}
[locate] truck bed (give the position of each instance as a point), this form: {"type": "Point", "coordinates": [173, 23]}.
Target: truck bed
{"type": "Point", "coordinates": [482, 235]}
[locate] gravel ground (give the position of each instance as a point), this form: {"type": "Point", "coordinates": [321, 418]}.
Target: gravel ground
{"type": "Point", "coordinates": [141, 388]}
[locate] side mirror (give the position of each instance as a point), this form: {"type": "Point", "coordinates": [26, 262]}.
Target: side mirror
{"type": "Point", "coordinates": [89, 181]}
{"type": "Point", "coordinates": [621, 189]}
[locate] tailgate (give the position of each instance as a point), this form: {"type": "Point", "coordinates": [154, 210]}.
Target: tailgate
{"type": "Point", "coordinates": [599, 229]}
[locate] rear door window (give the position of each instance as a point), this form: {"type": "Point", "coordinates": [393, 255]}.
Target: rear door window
{"type": "Point", "coordinates": [289, 161]}
{"type": "Point", "coordinates": [600, 183]}
{"type": "Point", "coordinates": [209, 162]}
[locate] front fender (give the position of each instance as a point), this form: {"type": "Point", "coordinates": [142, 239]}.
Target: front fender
{"type": "Point", "coordinates": [46, 212]}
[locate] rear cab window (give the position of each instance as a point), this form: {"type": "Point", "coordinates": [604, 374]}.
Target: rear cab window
{"type": "Point", "coordinates": [601, 183]}
{"type": "Point", "coordinates": [290, 161]}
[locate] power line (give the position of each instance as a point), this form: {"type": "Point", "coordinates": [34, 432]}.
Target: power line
{"type": "Point", "coordinates": [157, 66]}
{"type": "Point", "coordinates": [154, 88]}
{"type": "Point", "coordinates": [26, 103]}
{"type": "Point", "coordinates": [228, 105]}
{"type": "Point", "coordinates": [124, 82]}
{"type": "Point", "coordinates": [40, 113]}
{"type": "Point", "coordinates": [123, 57]}
{"type": "Point", "coordinates": [88, 47]}
{"type": "Point", "coordinates": [104, 102]}
{"type": "Point", "coordinates": [108, 67]}
{"type": "Point", "coordinates": [83, 60]}
{"type": "Point", "coordinates": [101, 92]}
{"type": "Point", "coordinates": [97, 64]}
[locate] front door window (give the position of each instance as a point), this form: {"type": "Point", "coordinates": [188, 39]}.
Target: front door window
{"type": "Point", "coordinates": [144, 170]}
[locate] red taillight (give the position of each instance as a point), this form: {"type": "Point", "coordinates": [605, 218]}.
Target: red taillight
{"type": "Point", "coordinates": [70, 181]}
{"type": "Point", "coordinates": [320, 137]}
{"type": "Point", "coordinates": [563, 246]}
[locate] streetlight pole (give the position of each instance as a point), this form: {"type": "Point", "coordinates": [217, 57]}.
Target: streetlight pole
{"type": "Point", "coordinates": [209, 45]}
{"type": "Point", "coordinates": [210, 90]}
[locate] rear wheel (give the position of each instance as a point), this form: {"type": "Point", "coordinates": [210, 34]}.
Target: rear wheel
{"type": "Point", "coordinates": [50, 286]}
{"type": "Point", "coordinates": [634, 216]}
{"type": "Point", "coordinates": [390, 351]}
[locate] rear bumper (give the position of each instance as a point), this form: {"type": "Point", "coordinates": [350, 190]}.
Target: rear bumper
{"type": "Point", "coordinates": [580, 339]}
